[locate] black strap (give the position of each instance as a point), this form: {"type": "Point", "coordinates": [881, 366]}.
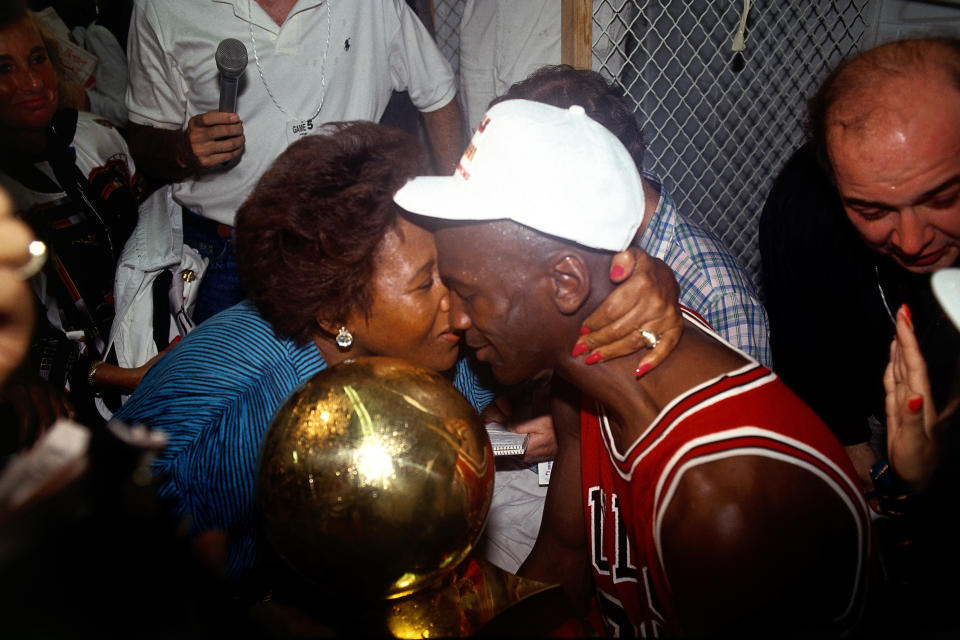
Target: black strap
{"type": "Point", "coordinates": [62, 160]}
{"type": "Point", "coordinates": [161, 309]}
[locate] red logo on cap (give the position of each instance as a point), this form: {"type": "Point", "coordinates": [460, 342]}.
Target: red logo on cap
{"type": "Point", "coordinates": [483, 124]}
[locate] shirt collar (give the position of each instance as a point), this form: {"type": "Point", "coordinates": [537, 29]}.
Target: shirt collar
{"type": "Point", "coordinates": [260, 18]}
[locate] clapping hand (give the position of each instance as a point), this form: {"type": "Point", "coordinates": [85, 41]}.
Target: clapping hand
{"type": "Point", "coordinates": [913, 425]}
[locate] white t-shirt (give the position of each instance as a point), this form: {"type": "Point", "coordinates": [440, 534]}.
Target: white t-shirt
{"type": "Point", "coordinates": [375, 47]}
{"type": "Point", "coordinates": [504, 41]}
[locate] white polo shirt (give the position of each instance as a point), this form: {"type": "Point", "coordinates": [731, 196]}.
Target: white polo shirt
{"type": "Point", "coordinates": [375, 47]}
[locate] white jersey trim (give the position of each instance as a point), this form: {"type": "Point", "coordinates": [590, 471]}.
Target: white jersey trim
{"type": "Point", "coordinates": [607, 431]}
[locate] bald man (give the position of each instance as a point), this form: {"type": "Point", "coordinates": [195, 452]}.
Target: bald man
{"type": "Point", "coordinates": [853, 228]}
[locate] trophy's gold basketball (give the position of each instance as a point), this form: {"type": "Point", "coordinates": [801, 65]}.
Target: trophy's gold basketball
{"type": "Point", "coordinates": [375, 478]}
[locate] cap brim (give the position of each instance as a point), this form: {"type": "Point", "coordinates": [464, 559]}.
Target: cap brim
{"type": "Point", "coordinates": [443, 197]}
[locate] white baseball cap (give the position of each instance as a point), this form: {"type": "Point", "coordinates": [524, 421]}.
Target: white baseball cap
{"type": "Point", "coordinates": [554, 170]}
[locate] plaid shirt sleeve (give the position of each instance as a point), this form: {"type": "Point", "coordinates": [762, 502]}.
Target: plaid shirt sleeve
{"type": "Point", "coordinates": [712, 281]}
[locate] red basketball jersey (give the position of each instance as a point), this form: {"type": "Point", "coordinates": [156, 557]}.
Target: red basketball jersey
{"type": "Point", "coordinates": [748, 412]}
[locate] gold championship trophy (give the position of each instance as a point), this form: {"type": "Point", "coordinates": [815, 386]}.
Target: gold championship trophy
{"type": "Point", "coordinates": [374, 484]}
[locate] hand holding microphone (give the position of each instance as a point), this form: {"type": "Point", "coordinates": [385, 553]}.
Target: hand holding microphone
{"type": "Point", "coordinates": [216, 137]}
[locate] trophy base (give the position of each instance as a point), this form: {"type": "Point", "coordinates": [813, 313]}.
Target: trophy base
{"type": "Point", "coordinates": [477, 598]}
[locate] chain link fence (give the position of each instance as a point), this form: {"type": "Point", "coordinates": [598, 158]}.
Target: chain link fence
{"type": "Point", "coordinates": [719, 124]}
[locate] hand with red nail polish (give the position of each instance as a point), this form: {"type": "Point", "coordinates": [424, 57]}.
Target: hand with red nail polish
{"type": "Point", "coordinates": [646, 298]}
{"type": "Point", "coordinates": [915, 404]}
{"type": "Point", "coordinates": [904, 311]}
{"type": "Point", "coordinates": [594, 358]}
{"type": "Point", "coordinates": [913, 426]}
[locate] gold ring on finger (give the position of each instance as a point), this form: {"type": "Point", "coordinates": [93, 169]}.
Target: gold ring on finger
{"type": "Point", "coordinates": [650, 338]}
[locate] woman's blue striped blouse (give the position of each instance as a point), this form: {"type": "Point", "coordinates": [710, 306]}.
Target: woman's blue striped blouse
{"type": "Point", "coordinates": [214, 395]}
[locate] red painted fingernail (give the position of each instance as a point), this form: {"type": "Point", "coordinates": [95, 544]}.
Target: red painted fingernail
{"type": "Point", "coordinates": [584, 330]}
{"type": "Point", "coordinates": [915, 404]}
{"type": "Point", "coordinates": [616, 272]}
{"type": "Point", "coordinates": [594, 358]}
{"type": "Point", "coordinates": [642, 369]}
{"type": "Point", "coordinates": [907, 315]}
{"type": "Point", "coordinates": [579, 349]}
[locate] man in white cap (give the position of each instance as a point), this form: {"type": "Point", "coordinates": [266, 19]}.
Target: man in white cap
{"type": "Point", "coordinates": [701, 498]}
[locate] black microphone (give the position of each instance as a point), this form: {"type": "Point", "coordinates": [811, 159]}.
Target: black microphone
{"type": "Point", "coordinates": [231, 61]}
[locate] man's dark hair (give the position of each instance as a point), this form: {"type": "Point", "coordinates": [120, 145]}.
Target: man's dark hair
{"type": "Point", "coordinates": [564, 86]}
{"type": "Point", "coordinates": [858, 76]}
{"type": "Point", "coordinates": [307, 237]}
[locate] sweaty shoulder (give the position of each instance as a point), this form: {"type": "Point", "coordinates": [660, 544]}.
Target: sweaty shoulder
{"type": "Point", "coordinates": [749, 539]}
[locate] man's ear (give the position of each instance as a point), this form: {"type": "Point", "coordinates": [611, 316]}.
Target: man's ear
{"type": "Point", "coordinates": [571, 282]}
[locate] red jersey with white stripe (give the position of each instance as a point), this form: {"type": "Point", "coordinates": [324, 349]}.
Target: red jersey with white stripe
{"type": "Point", "coordinates": [748, 412]}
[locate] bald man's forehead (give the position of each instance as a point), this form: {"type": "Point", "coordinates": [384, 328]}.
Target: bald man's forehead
{"type": "Point", "coordinates": [908, 108]}
{"type": "Point", "coordinates": [895, 75]}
